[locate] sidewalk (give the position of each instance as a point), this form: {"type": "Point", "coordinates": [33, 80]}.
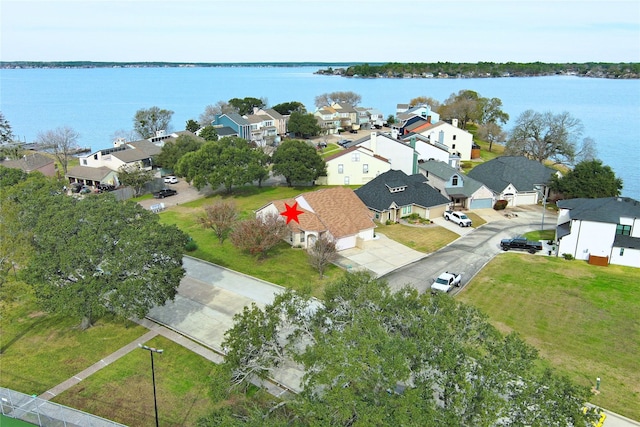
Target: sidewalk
{"type": "Point", "coordinates": [154, 330]}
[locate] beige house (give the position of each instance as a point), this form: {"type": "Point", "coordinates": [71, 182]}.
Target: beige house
{"type": "Point", "coordinates": [354, 166]}
{"type": "Point", "coordinates": [336, 212]}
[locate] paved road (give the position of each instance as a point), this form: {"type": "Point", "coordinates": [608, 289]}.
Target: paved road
{"type": "Point", "coordinates": [467, 255]}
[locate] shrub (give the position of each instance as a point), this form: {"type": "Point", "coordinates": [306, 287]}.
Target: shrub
{"type": "Point", "coordinates": [191, 245]}
{"type": "Point", "coordinates": [500, 205]}
{"type": "Point", "coordinates": [568, 257]}
{"type": "Point", "coordinates": [388, 222]}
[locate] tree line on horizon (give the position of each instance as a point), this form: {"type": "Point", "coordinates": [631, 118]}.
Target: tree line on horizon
{"type": "Point", "coordinates": [489, 69]}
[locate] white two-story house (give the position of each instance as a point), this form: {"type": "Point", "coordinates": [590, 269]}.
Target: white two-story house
{"type": "Point", "coordinates": [602, 231]}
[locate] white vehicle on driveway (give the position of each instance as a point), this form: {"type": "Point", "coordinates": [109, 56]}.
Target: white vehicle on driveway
{"type": "Point", "coordinates": [446, 281]}
{"type": "Point", "coordinates": [170, 179]}
{"type": "Point", "coordinates": [458, 217]}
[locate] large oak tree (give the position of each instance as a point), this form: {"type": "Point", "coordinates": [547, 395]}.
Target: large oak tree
{"type": "Point", "coordinates": [297, 161]}
{"type": "Point", "coordinates": [374, 357]}
{"type": "Point", "coordinates": [589, 179]}
{"type": "Point", "coordinates": [98, 255]}
{"type": "Point", "coordinates": [230, 162]}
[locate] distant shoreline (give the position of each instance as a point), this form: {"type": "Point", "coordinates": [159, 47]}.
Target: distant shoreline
{"type": "Point", "coordinates": [439, 70]}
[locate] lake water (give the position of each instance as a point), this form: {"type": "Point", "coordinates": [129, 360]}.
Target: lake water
{"type": "Point", "coordinates": [99, 102]}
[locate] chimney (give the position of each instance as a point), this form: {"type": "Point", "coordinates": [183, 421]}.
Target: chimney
{"type": "Point", "coordinates": [374, 142]}
{"type": "Point", "coordinates": [454, 122]}
{"type": "Point", "coordinates": [429, 119]}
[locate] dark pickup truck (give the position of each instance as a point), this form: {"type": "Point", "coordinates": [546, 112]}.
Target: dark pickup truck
{"type": "Point", "coordinates": [522, 244]}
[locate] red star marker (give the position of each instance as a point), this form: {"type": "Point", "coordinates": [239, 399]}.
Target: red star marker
{"type": "Point", "coordinates": [291, 212]}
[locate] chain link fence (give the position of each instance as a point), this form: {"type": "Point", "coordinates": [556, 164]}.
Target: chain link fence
{"type": "Point", "coordinates": [41, 412]}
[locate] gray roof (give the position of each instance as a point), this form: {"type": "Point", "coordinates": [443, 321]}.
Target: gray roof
{"type": "Point", "coordinates": [145, 146]}
{"type": "Point", "coordinates": [237, 118]}
{"type": "Point", "coordinates": [523, 173]}
{"type": "Point", "coordinates": [131, 155]}
{"type": "Point", "coordinates": [226, 131]}
{"type": "Point", "coordinates": [86, 172]}
{"type": "Point", "coordinates": [29, 162]}
{"type": "Point", "coordinates": [274, 114]}
{"type": "Point", "coordinates": [376, 195]}
{"type": "Point", "coordinates": [445, 172]}
{"type": "Point", "coordinates": [608, 209]}
{"type": "Point", "coordinates": [626, 242]}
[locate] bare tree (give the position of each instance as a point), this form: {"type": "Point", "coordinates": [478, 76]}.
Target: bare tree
{"type": "Point", "coordinates": [220, 217]}
{"type": "Point", "coordinates": [434, 104]}
{"type": "Point", "coordinates": [491, 132]}
{"type": "Point", "coordinates": [347, 97]}
{"type": "Point", "coordinates": [545, 136]}
{"type": "Point", "coordinates": [258, 235]}
{"type": "Point", "coordinates": [211, 110]}
{"type": "Point", "coordinates": [322, 253]}
{"type": "Point", "coordinates": [61, 142]}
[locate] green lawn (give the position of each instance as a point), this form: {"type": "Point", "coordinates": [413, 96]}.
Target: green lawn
{"type": "Point", "coordinates": [422, 239]}
{"type": "Point", "coordinates": [123, 391]}
{"type": "Point", "coordinates": [40, 351]}
{"type": "Point", "coordinates": [583, 319]}
{"type": "Point", "coordinates": [284, 265]}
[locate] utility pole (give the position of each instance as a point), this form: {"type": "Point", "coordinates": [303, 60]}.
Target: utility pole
{"type": "Point", "coordinates": [153, 375]}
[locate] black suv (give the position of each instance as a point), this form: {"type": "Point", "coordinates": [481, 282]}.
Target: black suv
{"type": "Point", "coordinates": [165, 192]}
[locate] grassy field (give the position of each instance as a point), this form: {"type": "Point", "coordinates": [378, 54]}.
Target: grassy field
{"type": "Point", "coordinates": [583, 319]}
{"type": "Point", "coordinates": [40, 351]}
{"type": "Point", "coordinates": [123, 392]}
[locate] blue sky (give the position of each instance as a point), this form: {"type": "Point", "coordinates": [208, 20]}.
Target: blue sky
{"type": "Point", "coordinates": [327, 31]}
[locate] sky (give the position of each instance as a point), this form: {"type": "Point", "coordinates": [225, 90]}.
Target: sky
{"type": "Point", "coordinates": [221, 31]}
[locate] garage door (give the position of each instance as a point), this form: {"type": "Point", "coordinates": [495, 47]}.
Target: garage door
{"type": "Point", "coordinates": [481, 204]}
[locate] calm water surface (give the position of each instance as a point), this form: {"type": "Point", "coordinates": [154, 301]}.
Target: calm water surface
{"type": "Point", "coordinates": [99, 102]}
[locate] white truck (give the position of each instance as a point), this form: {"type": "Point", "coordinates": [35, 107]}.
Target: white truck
{"type": "Point", "coordinates": [458, 217]}
{"type": "Point", "coordinates": [446, 281]}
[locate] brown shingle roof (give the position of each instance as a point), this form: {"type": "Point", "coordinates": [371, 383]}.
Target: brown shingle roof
{"type": "Point", "coordinates": [340, 209]}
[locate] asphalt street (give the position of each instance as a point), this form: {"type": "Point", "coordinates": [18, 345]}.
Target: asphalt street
{"type": "Point", "coordinates": [468, 254]}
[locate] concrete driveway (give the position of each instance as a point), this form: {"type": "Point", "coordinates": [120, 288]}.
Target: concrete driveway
{"type": "Point", "coordinates": [380, 256]}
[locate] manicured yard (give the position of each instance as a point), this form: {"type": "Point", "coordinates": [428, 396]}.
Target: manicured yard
{"type": "Point", "coordinates": [583, 319]}
{"type": "Point", "coordinates": [123, 391]}
{"type": "Point", "coordinates": [40, 351]}
{"type": "Point", "coordinates": [422, 239]}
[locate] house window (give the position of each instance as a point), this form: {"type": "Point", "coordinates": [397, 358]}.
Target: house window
{"type": "Point", "coordinates": [340, 168]}
{"type": "Point", "coordinates": [623, 230]}
{"type": "Point", "coordinates": [346, 180]}
{"type": "Point", "coordinates": [454, 137]}
{"type": "Point", "coordinates": [365, 168]}
{"type": "Point", "coordinates": [377, 215]}
{"type": "Point", "coordinates": [454, 181]}
{"type": "Point", "coordinates": [621, 251]}
{"type": "Point", "coordinates": [84, 162]}
{"type": "Point", "coordinates": [301, 237]}
{"type": "Point", "coordinates": [453, 146]}
{"type": "Point", "coordinates": [355, 157]}
{"type": "Point", "coordinates": [406, 210]}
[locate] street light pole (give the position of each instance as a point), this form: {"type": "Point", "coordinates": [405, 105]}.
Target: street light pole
{"type": "Point", "coordinates": [153, 375]}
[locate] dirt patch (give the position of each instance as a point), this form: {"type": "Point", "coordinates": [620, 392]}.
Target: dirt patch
{"type": "Point", "coordinates": [36, 314]}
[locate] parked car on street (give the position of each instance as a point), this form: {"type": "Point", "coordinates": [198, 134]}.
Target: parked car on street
{"type": "Point", "coordinates": [522, 244]}
{"type": "Point", "coordinates": [343, 142]}
{"type": "Point", "coordinates": [446, 281]}
{"type": "Point", "coordinates": [165, 192]}
{"type": "Point", "coordinates": [170, 179]}
{"type": "Point", "coordinates": [458, 217]}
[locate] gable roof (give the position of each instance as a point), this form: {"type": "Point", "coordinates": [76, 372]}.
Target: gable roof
{"type": "Point", "coordinates": [445, 172]}
{"type": "Point", "coordinates": [608, 209]}
{"type": "Point", "coordinates": [236, 118]}
{"type": "Point", "coordinates": [376, 195]}
{"type": "Point", "coordinates": [520, 171]}
{"type": "Point", "coordinates": [28, 162]}
{"type": "Point", "coordinates": [86, 172]}
{"type": "Point", "coordinates": [337, 210]}
{"type": "Point", "coordinates": [273, 114]}
{"type": "Point", "coordinates": [130, 155]}
{"type": "Point", "coordinates": [145, 146]}
{"type": "Point", "coordinates": [364, 150]}
{"type": "Point", "coordinates": [226, 131]}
